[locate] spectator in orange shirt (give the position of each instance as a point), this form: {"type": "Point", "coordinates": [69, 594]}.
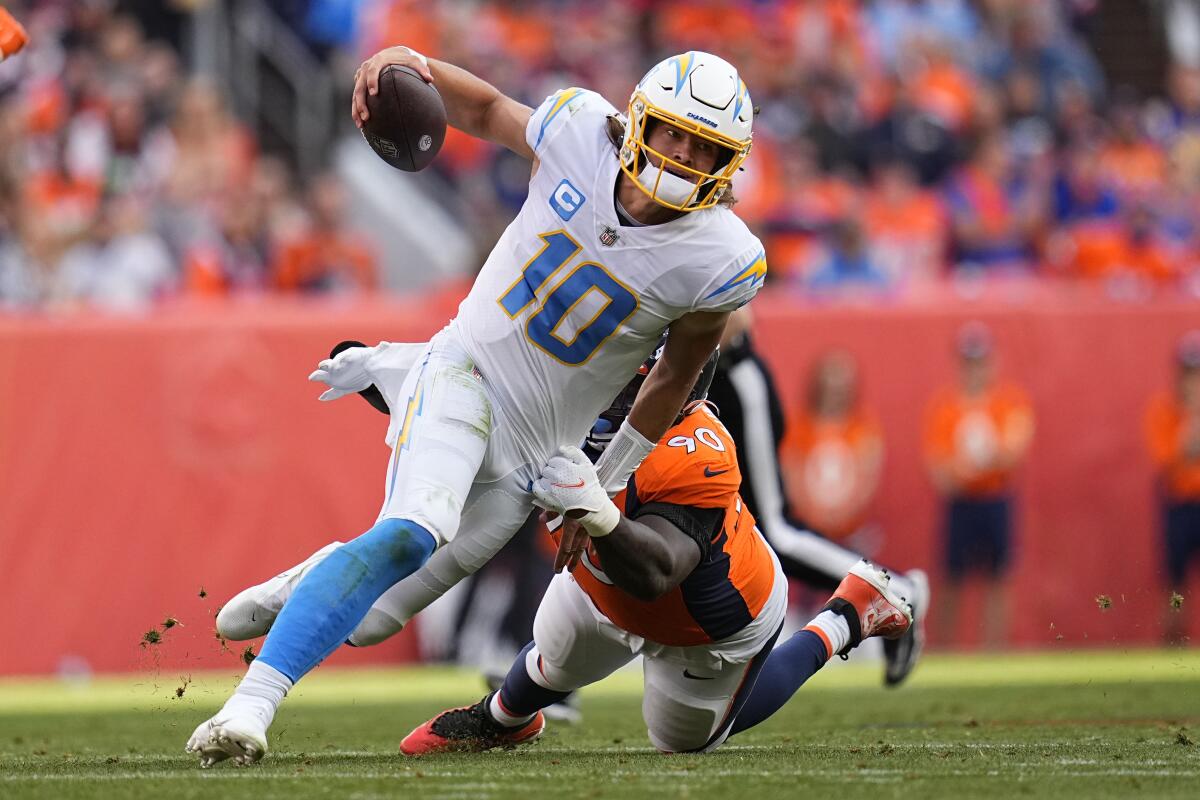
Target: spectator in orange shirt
{"type": "Point", "coordinates": [234, 258]}
{"type": "Point", "coordinates": [906, 224]}
{"type": "Point", "coordinates": [1173, 431]}
{"type": "Point", "coordinates": [976, 434]}
{"type": "Point", "coordinates": [1127, 247]}
{"type": "Point", "coordinates": [1135, 163]}
{"type": "Point", "coordinates": [810, 203]}
{"type": "Point", "coordinates": [833, 451]}
{"type": "Point", "coordinates": [995, 213]}
{"type": "Point", "coordinates": [942, 89]}
{"type": "Point", "coordinates": [329, 256]}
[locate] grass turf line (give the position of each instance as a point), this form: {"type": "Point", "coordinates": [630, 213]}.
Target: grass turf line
{"type": "Point", "coordinates": [1065, 725]}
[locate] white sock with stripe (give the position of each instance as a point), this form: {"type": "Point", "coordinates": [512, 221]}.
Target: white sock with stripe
{"type": "Point", "coordinates": [501, 715]}
{"type": "Point", "coordinates": [833, 629]}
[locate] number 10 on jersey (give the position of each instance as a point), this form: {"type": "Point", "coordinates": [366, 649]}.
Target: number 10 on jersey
{"type": "Point", "coordinates": [587, 280]}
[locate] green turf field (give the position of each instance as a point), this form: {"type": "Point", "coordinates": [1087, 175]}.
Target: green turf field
{"type": "Point", "coordinates": [1092, 725]}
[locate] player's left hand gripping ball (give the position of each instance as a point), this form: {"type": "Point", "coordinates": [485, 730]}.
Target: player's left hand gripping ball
{"type": "Point", "coordinates": [569, 486]}
{"type": "Point", "coordinates": [345, 374]}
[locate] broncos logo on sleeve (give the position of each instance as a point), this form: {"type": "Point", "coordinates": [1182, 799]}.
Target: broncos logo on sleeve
{"type": "Point", "coordinates": [695, 465]}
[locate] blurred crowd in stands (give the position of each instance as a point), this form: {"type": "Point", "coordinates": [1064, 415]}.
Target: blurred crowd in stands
{"type": "Point", "coordinates": [124, 179]}
{"type": "Point", "coordinates": [899, 143]}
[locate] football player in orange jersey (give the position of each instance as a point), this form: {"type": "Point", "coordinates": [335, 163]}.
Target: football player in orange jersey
{"type": "Point", "coordinates": [1173, 434]}
{"type": "Point", "coordinates": [744, 388]}
{"type": "Point", "coordinates": [977, 434]}
{"type": "Point", "coordinates": [676, 571]}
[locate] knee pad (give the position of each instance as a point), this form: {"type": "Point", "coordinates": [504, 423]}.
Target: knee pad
{"type": "Point", "coordinates": [547, 675]}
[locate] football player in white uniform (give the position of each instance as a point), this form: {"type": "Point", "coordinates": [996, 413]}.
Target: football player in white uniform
{"type": "Point", "coordinates": [626, 232]}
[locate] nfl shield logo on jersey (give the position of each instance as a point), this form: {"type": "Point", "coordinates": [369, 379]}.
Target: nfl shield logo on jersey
{"type": "Point", "coordinates": [609, 236]}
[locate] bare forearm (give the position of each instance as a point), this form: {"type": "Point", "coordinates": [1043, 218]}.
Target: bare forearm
{"type": "Point", "coordinates": [691, 341]}
{"type": "Point", "coordinates": [472, 104]}
{"type": "Point", "coordinates": [468, 98]}
{"type": "Point", "coordinates": [659, 401]}
{"type": "Point", "coordinates": [637, 559]}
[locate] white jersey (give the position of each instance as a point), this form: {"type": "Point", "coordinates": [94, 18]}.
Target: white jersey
{"type": "Point", "coordinates": [570, 302]}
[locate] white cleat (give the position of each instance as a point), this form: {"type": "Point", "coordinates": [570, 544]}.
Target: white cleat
{"type": "Point", "coordinates": [199, 744]}
{"type": "Point", "coordinates": [920, 592]}
{"type": "Point", "coordinates": [901, 655]}
{"type": "Point", "coordinates": [242, 737]}
{"type": "Point", "coordinates": [252, 612]}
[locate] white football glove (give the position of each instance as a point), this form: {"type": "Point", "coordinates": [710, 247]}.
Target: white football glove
{"type": "Point", "coordinates": [345, 374]}
{"type": "Point", "coordinates": [569, 485]}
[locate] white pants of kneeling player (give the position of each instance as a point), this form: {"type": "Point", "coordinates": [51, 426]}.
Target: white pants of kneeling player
{"type": "Point", "coordinates": [578, 645]}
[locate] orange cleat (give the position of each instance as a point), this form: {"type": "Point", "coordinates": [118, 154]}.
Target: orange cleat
{"type": "Point", "coordinates": [468, 730]}
{"type": "Point", "coordinates": [865, 598]}
{"type": "Point", "coordinates": [12, 35]}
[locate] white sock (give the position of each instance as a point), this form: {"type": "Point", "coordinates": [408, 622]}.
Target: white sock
{"type": "Point", "coordinates": [835, 629]}
{"type": "Point", "coordinates": [259, 693]}
{"type": "Point", "coordinates": [503, 717]}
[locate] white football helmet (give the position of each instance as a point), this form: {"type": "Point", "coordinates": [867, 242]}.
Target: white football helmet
{"type": "Point", "coordinates": [702, 95]}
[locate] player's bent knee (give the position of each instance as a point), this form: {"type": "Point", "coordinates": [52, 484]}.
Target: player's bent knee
{"type": "Point", "coordinates": [376, 627]}
{"type": "Point", "coordinates": [547, 675]}
{"type": "Point", "coordinates": [669, 742]}
{"type": "Point", "coordinates": [399, 541]}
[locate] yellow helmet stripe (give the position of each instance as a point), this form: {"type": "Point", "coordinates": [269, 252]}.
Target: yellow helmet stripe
{"type": "Point", "coordinates": [683, 68]}
{"type": "Point", "coordinates": [742, 96]}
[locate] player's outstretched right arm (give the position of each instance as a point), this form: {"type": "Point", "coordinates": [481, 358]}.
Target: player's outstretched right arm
{"type": "Point", "coordinates": [473, 105]}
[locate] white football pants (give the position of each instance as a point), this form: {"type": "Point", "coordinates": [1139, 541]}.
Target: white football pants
{"type": "Point", "coordinates": [690, 694]}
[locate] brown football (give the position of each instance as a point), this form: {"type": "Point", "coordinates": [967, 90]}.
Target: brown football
{"type": "Point", "coordinates": [407, 122]}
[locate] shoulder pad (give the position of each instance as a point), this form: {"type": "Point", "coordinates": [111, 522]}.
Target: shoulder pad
{"type": "Point", "coordinates": [695, 464]}
{"type": "Point", "coordinates": [556, 113]}
{"type": "Point", "coordinates": [737, 282]}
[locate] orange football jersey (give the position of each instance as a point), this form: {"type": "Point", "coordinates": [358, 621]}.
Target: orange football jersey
{"type": "Point", "coordinates": [969, 433]}
{"type": "Point", "coordinates": [1167, 428]}
{"type": "Point", "coordinates": [834, 468]}
{"type": "Point", "coordinates": [694, 464]}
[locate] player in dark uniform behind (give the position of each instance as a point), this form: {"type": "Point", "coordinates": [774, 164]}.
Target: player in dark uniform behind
{"type": "Point", "coordinates": [743, 388]}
